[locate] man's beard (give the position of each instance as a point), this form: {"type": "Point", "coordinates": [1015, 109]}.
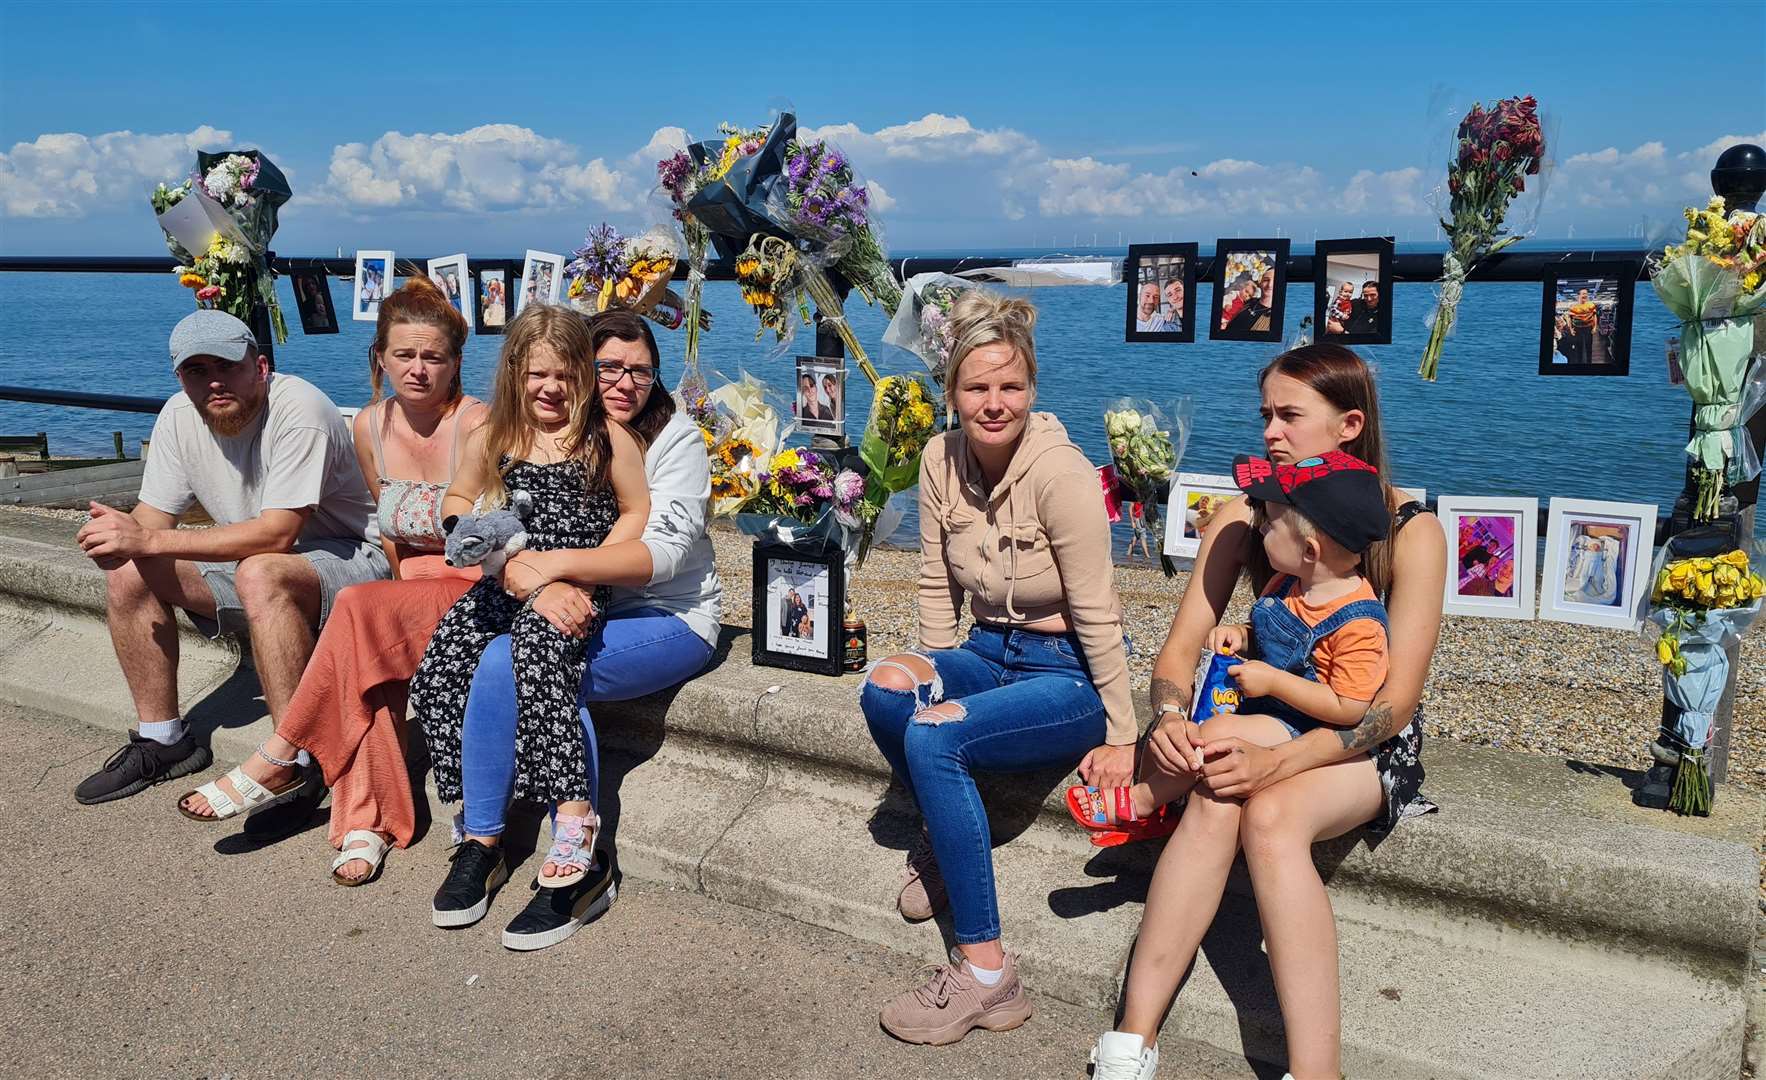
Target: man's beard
{"type": "Point", "coordinates": [234, 419]}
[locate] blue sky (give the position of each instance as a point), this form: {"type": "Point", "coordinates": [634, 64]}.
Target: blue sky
{"type": "Point", "coordinates": [492, 128]}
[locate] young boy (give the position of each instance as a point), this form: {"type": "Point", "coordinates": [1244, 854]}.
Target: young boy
{"type": "Point", "coordinates": [1315, 649]}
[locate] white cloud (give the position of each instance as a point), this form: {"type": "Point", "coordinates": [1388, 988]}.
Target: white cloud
{"type": "Point", "coordinates": [69, 175]}
{"type": "Point", "coordinates": [490, 167]}
{"type": "Point", "coordinates": [1398, 190]}
{"type": "Point", "coordinates": [881, 200]}
{"type": "Point", "coordinates": [933, 137]}
{"type": "Point", "coordinates": [1086, 187]}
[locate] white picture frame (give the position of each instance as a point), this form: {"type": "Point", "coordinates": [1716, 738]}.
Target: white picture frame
{"type": "Point", "coordinates": [375, 273]}
{"type": "Point", "coordinates": [1415, 494]}
{"type": "Point", "coordinates": [1601, 585]}
{"type": "Point", "coordinates": [542, 279]}
{"type": "Point", "coordinates": [1475, 524]}
{"type": "Point", "coordinates": [1182, 536]}
{"type": "Point", "coordinates": [455, 281]}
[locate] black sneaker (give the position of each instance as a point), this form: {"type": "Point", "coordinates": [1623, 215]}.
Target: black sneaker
{"type": "Point", "coordinates": [465, 896]}
{"type": "Point", "coordinates": [555, 914]}
{"type": "Point", "coordinates": [142, 764]}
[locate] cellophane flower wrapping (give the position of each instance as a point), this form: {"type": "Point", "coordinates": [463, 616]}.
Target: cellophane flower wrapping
{"type": "Point", "coordinates": [804, 499]}
{"type": "Point", "coordinates": [232, 273]}
{"type": "Point", "coordinates": [744, 426]}
{"type": "Point", "coordinates": [611, 270]}
{"type": "Point", "coordinates": [1715, 284]}
{"type": "Point", "coordinates": [1147, 442]}
{"type": "Point", "coordinates": [1698, 606]}
{"type": "Point", "coordinates": [922, 325]}
{"type": "Point", "coordinates": [1495, 150]}
{"type": "Point", "coordinates": [904, 417]}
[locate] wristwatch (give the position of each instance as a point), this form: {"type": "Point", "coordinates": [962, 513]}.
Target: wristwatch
{"type": "Point", "coordinates": [1169, 707]}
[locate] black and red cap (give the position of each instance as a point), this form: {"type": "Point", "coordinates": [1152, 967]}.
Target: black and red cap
{"type": "Point", "coordinates": [1339, 493]}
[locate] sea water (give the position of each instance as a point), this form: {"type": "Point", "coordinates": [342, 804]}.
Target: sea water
{"type": "Point", "coordinates": [1491, 425]}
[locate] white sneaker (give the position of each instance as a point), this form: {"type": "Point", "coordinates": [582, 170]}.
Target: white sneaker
{"type": "Point", "coordinates": [1120, 1056]}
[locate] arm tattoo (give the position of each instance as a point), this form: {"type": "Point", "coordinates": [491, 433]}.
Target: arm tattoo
{"type": "Point", "coordinates": [1164, 691]}
{"type": "Point", "coordinates": [1373, 729]}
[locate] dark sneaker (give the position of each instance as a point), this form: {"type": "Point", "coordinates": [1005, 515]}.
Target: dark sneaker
{"type": "Point", "coordinates": [465, 896]}
{"type": "Point", "coordinates": [142, 764]}
{"type": "Point", "coordinates": [555, 914]}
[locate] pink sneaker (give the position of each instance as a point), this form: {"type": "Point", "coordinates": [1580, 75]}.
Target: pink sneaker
{"type": "Point", "coordinates": [954, 1002]}
{"type": "Point", "coordinates": [922, 887]}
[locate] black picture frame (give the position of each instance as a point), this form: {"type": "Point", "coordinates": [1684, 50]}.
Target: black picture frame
{"type": "Point", "coordinates": [1276, 252]}
{"type": "Point", "coordinates": [1381, 249]}
{"type": "Point", "coordinates": [820, 369]}
{"type": "Point", "coordinates": [1150, 264]}
{"type": "Point", "coordinates": [774, 645]}
{"type": "Point", "coordinates": [1610, 342]}
{"type": "Point", "coordinates": [313, 300]}
{"type": "Point", "coordinates": [510, 272]}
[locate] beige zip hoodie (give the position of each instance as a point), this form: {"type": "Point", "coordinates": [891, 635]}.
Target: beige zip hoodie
{"type": "Point", "coordinates": [1036, 545]}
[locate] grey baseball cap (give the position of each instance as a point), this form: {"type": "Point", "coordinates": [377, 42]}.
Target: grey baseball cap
{"type": "Point", "coordinates": [207, 332]}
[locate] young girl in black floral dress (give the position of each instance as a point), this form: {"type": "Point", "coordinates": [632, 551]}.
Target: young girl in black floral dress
{"type": "Point", "coordinates": [548, 435]}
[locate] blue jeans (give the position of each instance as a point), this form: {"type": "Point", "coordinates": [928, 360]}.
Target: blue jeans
{"type": "Point", "coordinates": [637, 653]}
{"type": "Point", "coordinates": [1026, 701]}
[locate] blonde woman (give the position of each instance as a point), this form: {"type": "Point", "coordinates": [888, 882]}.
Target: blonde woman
{"type": "Point", "coordinates": [1010, 518]}
{"type": "Point", "coordinates": [549, 435]}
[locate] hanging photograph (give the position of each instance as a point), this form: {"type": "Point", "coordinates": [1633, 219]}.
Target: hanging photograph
{"type": "Point", "coordinates": [1195, 499]}
{"type": "Point", "coordinates": [542, 279]}
{"type": "Point", "coordinates": [450, 277]}
{"type": "Point", "coordinates": [820, 401]}
{"type": "Point", "coordinates": [312, 298]}
{"type": "Point", "coordinates": [1492, 546]}
{"type": "Point", "coordinates": [1585, 324]}
{"type": "Point", "coordinates": [374, 275]}
{"type": "Point", "coordinates": [799, 604]}
{"type": "Point", "coordinates": [1352, 291]}
{"type": "Point", "coordinates": [1250, 281]}
{"type": "Point", "coordinates": [1597, 560]}
{"type": "Point", "coordinates": [1161, 280]}
{"type": "Point", "coordinates": [491, 304]}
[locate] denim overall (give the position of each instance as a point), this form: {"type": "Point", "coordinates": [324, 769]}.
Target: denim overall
{"type": "Point", "coordinates": [1284, 641]}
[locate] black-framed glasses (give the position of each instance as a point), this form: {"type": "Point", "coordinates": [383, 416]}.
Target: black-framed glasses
{"type": "Point", "coordinates": [611, 371]}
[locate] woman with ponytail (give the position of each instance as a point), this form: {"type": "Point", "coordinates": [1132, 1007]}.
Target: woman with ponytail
{"type": "Point", "coordinates": [348, 714]}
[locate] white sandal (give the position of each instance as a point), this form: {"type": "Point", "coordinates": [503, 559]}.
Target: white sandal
{"type": "Point", "coordinates": [253, 796]}
{"type": "Point", "coordinates": [572, 851]}
{"type": "Point", "coordinates": [372, 851]}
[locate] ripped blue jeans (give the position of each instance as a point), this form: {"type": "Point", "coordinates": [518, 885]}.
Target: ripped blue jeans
{"type": "Point", "coordinates": [1023, 701]}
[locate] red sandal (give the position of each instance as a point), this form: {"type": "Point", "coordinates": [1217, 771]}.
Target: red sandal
{"type": "Point", "coordinates": [1088, 807]}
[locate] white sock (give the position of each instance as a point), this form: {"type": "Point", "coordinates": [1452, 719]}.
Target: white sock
{"type": "Point", "coordinates": [164, 732]}
{"type": "Point", "coordinates": [986, 976]}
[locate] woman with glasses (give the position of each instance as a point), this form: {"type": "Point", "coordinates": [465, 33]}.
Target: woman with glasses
{"type": "Point", "coordinates": [660, 630]}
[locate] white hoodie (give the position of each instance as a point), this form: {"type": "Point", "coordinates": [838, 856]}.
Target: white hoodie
{"type": "Point", "coordinates": [684, 580]}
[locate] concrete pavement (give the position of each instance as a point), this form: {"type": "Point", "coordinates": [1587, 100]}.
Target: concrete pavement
{"type": "Point", "coordinates": [136, 943]}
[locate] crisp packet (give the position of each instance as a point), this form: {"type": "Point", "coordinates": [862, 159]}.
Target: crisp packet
{"type": "Point", "coordinates": [1218, 693]}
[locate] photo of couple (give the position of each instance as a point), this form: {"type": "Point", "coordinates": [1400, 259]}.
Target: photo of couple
{"type": "Point", "coordinates": [1161, 292]}
{"type": "Point", "coordinates": [820, 402]}
{"type": "Point", "coordinates": [797, 598]}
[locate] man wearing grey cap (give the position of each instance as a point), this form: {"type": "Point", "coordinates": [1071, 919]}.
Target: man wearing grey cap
{"type": "Point", "coordinates": [272, 462]}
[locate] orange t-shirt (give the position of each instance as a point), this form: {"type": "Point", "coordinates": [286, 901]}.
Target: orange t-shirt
{"type": "Point", "coordinates": [1351, 661]}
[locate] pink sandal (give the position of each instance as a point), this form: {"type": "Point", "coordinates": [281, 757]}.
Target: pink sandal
{"type": "Point", "coordinates": [573, 849]}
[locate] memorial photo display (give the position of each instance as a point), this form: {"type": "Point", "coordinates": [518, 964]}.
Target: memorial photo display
{"type": "Point", "coordinates": [1585, 319]}
{"type": "Point", "coordinates": [1161, 280]}
{"type": "Point", "coordinates": [799, 605]}
{"type": "Point", "coordinates": [1250, 279]}
{"type": "Point", "coordinates": [1352, 291]}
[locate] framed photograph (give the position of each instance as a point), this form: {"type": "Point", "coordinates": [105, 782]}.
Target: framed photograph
{"type": "Point", "coordinates": [799, 605]}
{"type": "Point", "coordinates": [451, 277]}
{"type": "Point", "coordinates": [1585, 321]}
{"type": "Point", "coordinates": [1250, 281]}
{"type": "Point", "coordinates": [374, 274]}
{"type": "Point", "coordinates": [1492, 546]}
{"type": "Point", "coordinates": [1597, 561]}
{"type": "Point", "coordinates": [491, 297]}
{"type": "Point", "coordinates": [312, 298]}
{"type": "Point", "coordinates": [1161, 282]}
{"type": "Point", "coordinates": [820, 401]}
{"type": "Point", "coordinates": [1194, 499]}
{"type": "Point", "coordinates": [542, 279]}
{"type": "Point", "coordinates": [1352, 291]}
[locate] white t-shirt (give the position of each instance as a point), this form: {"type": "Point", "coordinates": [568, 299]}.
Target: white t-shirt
{"type": "Point", "coordinates": [298, 453]}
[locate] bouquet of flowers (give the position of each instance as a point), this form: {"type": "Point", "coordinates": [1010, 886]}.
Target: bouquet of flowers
{"type": "Point", "coordinates": [1495, 151]}
{"type": "Point", "coordinates": [218, 225]}
{"type": "Point", "coordinates": [903, 420]}
{"type": "Point", "coordinates": [611, 270]}
{"type": "Point", "coordinates": [803, 499]}
{"type": "Point", "coordinates": [1146, 454]}
{"type": "Point", "coordinates": [921, 324]}
{"type": "Point", "coordinates": [1715, 283]}
{"type": "Point", "coordinates": [1699, 604]}
{"type": "Point", "coordinates": [827, 206]}
{"type": "Point", "coordinates": [681, 177]}
{"type": "Point", "coordinates": [742, 432]}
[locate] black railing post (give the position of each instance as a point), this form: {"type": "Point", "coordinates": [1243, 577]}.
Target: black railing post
{"type": "Point", "coordinates": [1740, 178]}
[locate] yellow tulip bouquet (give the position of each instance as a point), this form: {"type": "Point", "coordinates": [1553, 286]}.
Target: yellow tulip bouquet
{"type": "Point", "coordinates": [1699, 605]}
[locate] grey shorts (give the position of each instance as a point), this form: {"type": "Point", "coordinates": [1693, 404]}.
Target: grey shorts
{"type": "Point", "coordinates": [339, 563]}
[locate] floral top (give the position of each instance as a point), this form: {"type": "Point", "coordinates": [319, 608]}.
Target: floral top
{"type": "Point", "coordinates": [409, 511]}
{"type": "Point", "coordinates": [1399, 759]}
